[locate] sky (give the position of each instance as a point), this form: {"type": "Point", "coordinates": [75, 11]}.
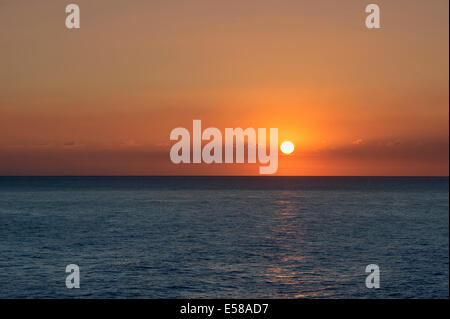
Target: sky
{"type": "Point", "coordinates": [103, 99]}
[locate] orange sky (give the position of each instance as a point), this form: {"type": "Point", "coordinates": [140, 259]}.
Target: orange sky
{"type": "Point", "coordinates": [103, 99]}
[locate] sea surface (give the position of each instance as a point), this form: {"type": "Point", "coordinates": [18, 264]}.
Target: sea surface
{"type": "Point", "coordinates": [224, 237]}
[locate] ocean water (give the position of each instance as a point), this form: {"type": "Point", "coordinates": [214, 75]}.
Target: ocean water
{"type": "Point", "coordinates": [224, 237]}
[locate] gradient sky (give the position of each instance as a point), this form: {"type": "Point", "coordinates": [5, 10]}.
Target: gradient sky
{"type": "Point", "coordinates": [103, 99]}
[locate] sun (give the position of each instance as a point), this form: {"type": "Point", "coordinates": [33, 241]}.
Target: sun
{"type": "Point", "coordinates": [287, 147]}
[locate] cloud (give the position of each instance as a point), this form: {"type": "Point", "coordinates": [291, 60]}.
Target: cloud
{"type": "Point", "coordinates": [130, 143]}
{"type": "Point", "coordinates": [72, 144]}
{"type": "Point", "coordinates": [392, 143]}
{"type": "Point", "coordinates": [430, 150]}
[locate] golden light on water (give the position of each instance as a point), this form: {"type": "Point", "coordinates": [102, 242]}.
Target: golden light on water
{"type": "Point", "coordinates": [287, 147]}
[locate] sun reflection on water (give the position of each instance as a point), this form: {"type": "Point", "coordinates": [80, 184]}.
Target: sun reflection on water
{"type": "Point", "coordinates": [289, 268]}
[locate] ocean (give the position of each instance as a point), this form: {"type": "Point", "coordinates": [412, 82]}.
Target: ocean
{"type": "Point", "coordinates": [224, 237]}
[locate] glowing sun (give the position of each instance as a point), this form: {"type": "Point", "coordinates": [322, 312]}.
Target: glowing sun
{"type": "Point", "coordinates": [287, 147]}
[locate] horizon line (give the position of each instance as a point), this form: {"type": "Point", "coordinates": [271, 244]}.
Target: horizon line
{"type": "Point", "coordinates": [269, 176]}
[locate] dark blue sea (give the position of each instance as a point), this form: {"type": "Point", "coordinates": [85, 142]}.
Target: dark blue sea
{"type": "Point", "coordinates": [224, 237]}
